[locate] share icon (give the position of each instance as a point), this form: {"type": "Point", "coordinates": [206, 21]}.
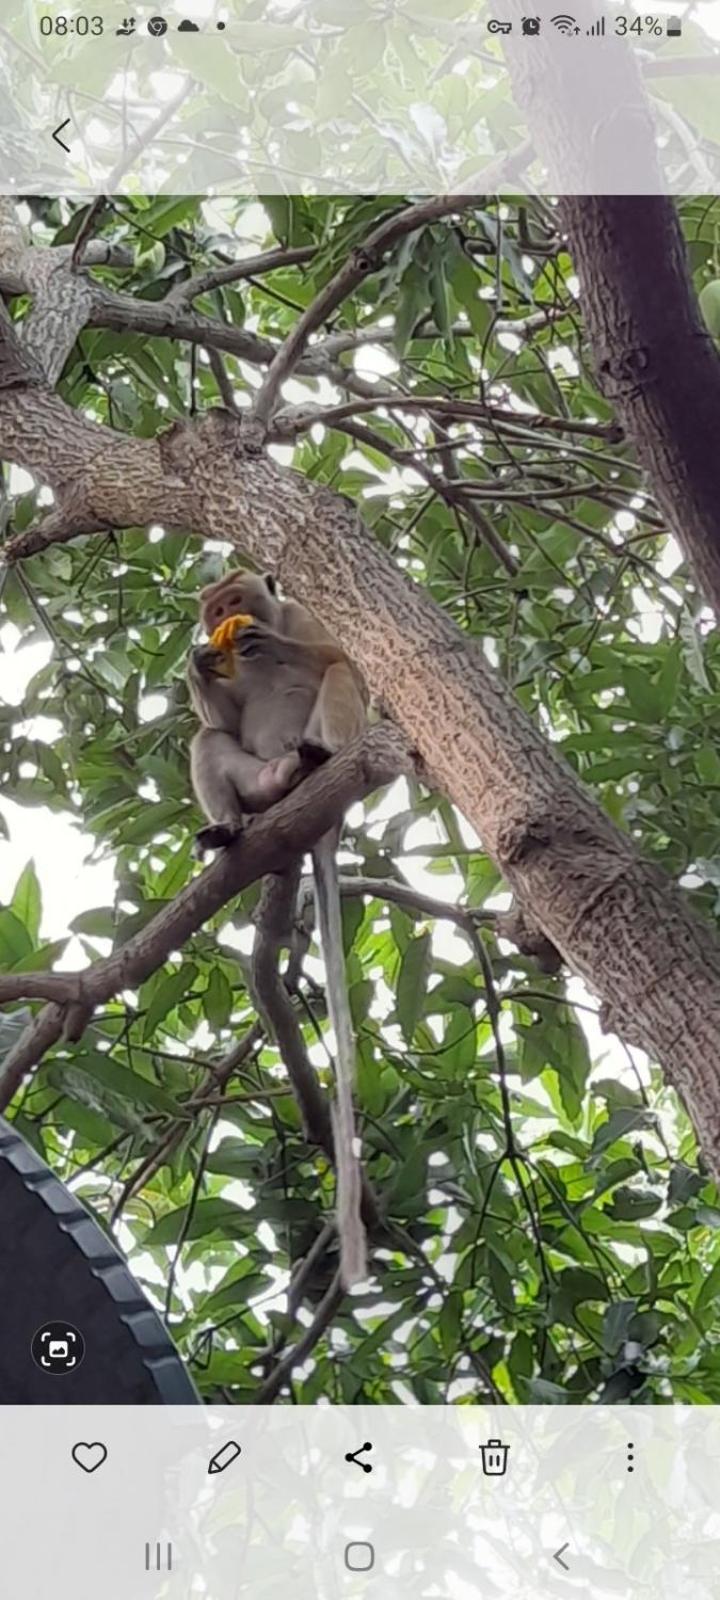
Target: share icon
{"type": "Point", "coordinates": [352, 1455]}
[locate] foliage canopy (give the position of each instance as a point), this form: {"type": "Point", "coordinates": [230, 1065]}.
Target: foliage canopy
{"type": "Point", "coordinates": [561, 1240]}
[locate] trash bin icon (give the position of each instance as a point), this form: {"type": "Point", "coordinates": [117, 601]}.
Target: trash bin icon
{"type": "Point", "coordinates": [494, 1458]}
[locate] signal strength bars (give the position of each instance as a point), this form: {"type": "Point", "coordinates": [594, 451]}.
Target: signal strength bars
{"type": "Point", "coordinates": [597, 30]}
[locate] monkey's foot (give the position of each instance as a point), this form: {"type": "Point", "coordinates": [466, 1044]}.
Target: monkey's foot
{"type": "Point", "coordinates": [222, 637]}
{"type": "Point", "coordinates": [217, 836]}
{"type": "Point", "coordinates": [313, 755]}
{"type": "Point", "coordinates": [278, 777]}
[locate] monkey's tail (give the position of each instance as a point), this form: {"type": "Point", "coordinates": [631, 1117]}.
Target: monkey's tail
{"type": "Point", "coordinates": [353, 1244]}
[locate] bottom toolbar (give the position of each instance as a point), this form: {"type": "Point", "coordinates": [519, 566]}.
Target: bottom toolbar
{"type": "Point", "coordinates": [431, 1503]}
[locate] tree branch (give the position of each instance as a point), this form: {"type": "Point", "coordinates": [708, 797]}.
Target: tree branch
{"type": "Point", "coordinates": [366, 259]}
{"type": "Point", "coordinates": [270, 843]}
{"type": "Point", "coordinates": [515, 925]}
{"type": "Point", "coordinates": [456, 495]}
{"type": "Point", "coordinates": [170, 318]}
{"type": "Point", "coordinates": [372, 333]}
{"type": "Point", "coordinates": [417, 904]}
{"type": "Point", "coordinates": [65, 987]}
{"type": "Point", "coordinates": [222, 379]}
{"type": "Point", "coordinates": [236, 271]}
{"type": "Point", "coordinates": [292, 420]}
{"type": "Point", "coordinates": [218, 1077]}
{"type": "Point", "coordinates": [84, 233]}
{"type": "Point", "coordinates": [18, 368]}
{"type": "Point", "coordinates": [282, 1373]}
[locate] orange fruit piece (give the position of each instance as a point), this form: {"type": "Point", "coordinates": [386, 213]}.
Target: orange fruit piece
{"type": "Point", "coordinates": [222, 637]}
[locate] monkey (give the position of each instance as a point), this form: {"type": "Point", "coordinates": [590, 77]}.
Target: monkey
{"type": "Point", "coordinates": [276, 696]}
{"type": "Point", "coordinates": [284, 694]}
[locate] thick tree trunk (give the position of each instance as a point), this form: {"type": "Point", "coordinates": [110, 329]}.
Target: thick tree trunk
{"type": "Point", "coordinates": [655, 360]}
{"type": "Point", "coordinates": [654, 357]}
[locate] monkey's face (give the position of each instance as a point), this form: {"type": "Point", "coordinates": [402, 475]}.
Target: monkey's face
{"type": "Point", "coordinates": [239, 593]}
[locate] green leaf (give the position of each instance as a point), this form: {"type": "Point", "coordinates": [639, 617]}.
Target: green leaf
{"type": "Point", "coordinates": [408, 1188]}
{"type": "Point", "coordinates": [412, 302]}
{"type": "Point", "coordinates": [644, 695]}
{"type": "Point", "coordinates": [27, 901]}
{"type": "Point", "coordinates": [99, 924]}
{"type": "Point", "coordinates": [667, 684]}
{"type": "Point", "coordinates": [12, 1026]}
{"type": "Point", "coordinates": [235, 1158]}
{"type": "Point", "coordinates": [501, 1283]}
{"type": "Point", "coordinates": [521, 1360]}
{"type": "Point", "coordinates": [217, 999]}
{"type": "Point", "coordinates": [630, 1205]}
{"type": "Point", "coordinates": [209, 1217]}
{"type": "Point", "coordinates": [466, 282]}
{"type": "Point", "coordinates": [15, 942]}
{"type": "Point", "coordinates": [412, 983]}
{"type": "Point", "coordinates": [170, 991]}
{"type": "Point", "coordinates": [450, 1324]}
{"type": "Point", "coordinates": [151, 820]}
{"type": "Point", "coordinates": [439, 297]}
{"type": "Point", "coordinates": [541, 1392]}
{"type": "Point", "coordinates": [572, 1063]}
{"type": "Point", "coordinates": [101, 1070]}
{"type": "Point", "coordinates": [709, 1290]}
{"type": "Point", "coordinates": [621, 1125]}
{"type": "Point", "coordinates": [616, 1324]}
{"type": "Point", "coordinates": [709, 299]}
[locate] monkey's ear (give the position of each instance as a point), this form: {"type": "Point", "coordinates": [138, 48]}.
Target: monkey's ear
{"type": "Point", "coordinates": [269, 582]}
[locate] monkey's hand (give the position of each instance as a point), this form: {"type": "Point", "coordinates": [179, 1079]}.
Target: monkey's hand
{"type": "Point", "coordinates": [223, 637]}
{"type": "Point", "coordinates": [257, 641]}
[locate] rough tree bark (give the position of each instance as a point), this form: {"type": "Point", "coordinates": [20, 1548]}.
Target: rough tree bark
{"type": "Point", "coordinates": [631, 933]}
{"type": "Point", "coordinates": [654, 357]}
{"type": "Point", "coordinates": [655, 360]}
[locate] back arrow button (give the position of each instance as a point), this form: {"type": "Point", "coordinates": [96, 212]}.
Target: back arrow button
{"type": "Point", "coordinates": [58, 131]}
{"type": "Point", "coordinates": [558, 1556]}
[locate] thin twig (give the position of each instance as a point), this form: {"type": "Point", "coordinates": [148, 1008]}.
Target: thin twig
{"type": "Point", "coordinates": [282, 1373]}
{"type": "Point", "coordinates": [299, 419]}
{"type": "Point", "coordinates": [236, 271]}
{"type": "Point", "coordinates": [421, 905]}
{"type": "Point", "coordinates": [85, 231]}
{"type": "Point", "coordinates": [366, 259]}
{"type": "Point", "coordinates": [190, 1212]}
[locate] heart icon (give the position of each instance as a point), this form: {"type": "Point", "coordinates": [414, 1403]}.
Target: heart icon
{"type": "Point", "coordinates": [89, 1456]}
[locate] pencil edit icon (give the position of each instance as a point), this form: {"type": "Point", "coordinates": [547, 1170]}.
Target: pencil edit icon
{"type": "Point", "coordinates": [224, 1458]}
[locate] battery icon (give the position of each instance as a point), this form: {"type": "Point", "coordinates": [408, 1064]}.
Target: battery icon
{"type": "Point", "coordinates": [674, 27]}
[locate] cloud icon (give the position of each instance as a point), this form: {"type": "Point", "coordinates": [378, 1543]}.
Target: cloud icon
{"type": "Point", "coordinates": [188, 27]}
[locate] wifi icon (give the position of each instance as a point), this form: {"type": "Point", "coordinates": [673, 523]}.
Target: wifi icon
{"type": "Point", "coordinates": [565, 24]}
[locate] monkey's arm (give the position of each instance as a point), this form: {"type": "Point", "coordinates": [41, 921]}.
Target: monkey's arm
{"type": "Point", "coordinates": [217, 698]}
{"type": "Point", "coordinates": [339, 713]}
{"type": "Point", "coordinates": [309, 658]}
